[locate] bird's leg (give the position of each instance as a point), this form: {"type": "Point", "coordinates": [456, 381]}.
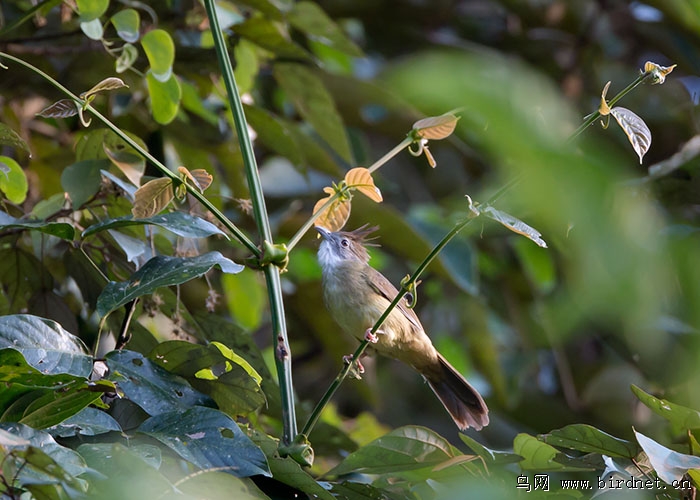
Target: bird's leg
{"type": "Point", "coordinates": [359, 369]}
{"type": "Point", "coordinates": [373, 337]}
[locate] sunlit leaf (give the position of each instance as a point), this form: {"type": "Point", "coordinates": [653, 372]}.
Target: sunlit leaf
{"type": "Point", "coordinates": [335, 215]}
{"type": "Point", "coordinates": [9, 137]}
{"type": "Point", "coordinates": [127, 22]}
{"type": "Point", "coordinates": [161, 271]}
{"type": "Point", "coordinates": [153, 197]}
{"type": "Point", "coordinates": [111, 83]}
{"type": "Point", "coordinates": [515, 225]}
{"type": "Point", "coordinates": [127, 58]}
{"type": "Point", "coordinates": [60, 109]}
{"type": "Point", "coordinates": [681, 416]}
{"type": "Point", "coordinates": [669, 465]}
{"type": "Point", "coordinates": [541, 456]}
{"type": "Point", "coordinates": [13, 181]}
{"type": "Point", "coordinates": [658, 72]}
{"type": "Point", "coordinates": [160, 51]}
{"type": "Point", "coordinates": [165, 98]}
{"type": "Point", "coordinates": [131, 164]}
{"type": "Point", "coordinates": [604, 109]}
{"type": "Point", "coordinates": [361, 179]}
{"type": "Point", "coordinates": [199, 177]}
{"type": "Point", "coordinates": [92, 29]}
{"type": "Point", "coordinates": [588, 439]}
{"type": "Point", "coordinates": [637, 131]}
{"type": "Point", "coordinates": [436, 127]}
{"type": "Point", "coordinates": [91, 9]}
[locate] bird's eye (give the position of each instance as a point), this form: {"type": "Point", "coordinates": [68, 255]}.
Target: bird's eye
{"type": "Point", "coordinates": [345, 243]}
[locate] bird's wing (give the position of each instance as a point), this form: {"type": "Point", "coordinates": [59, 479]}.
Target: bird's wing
{"type": "Point", "coordinates": [383, 287]}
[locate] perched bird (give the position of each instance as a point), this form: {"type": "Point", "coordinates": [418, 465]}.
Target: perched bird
{"type": "Point", "coordinates": [356, 295]}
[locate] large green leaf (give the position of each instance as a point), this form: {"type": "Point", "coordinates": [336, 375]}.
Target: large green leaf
{"type": "Point", "coordinates": [82, 180]}
{"type": "Point", "coordinates": [150, 386]}
{"type": "Point", "coordinates": [315, 104]}
{"type": "Point", "coordinates": [87, 422]}
{"type": "Point", "coordinates": [127, 23]}
{"type": "Point", "coordinates": [269, 35]}
{"type": "Point", "coordinates": [45, 345]}
{"type": "Point", "coordinates": [160, 51]}
{"type": "Point", "coordinates": [209, 439]}
{"type": "Point", "coordinates": [541, 456]}
{"type": "Point", "coordinates": [588, 439]}
{"type": "Point", "coordinates": [39, 400]}
{"type": "Point", "coordinates": [91, 9]}
{"type": "Point", "coordinates": [220, 485]}
{"type": "Point", "coordinates": [161, 271]}
{"type": "Point", "coordinates": [165, 97]}
{"type": "Point", "coordinates": [403, 449]}
{"type": "Point", "coordinates": [13, 181]}
{"type": "Point", "coordinates": [312, 20]}
{"type": "Point", "coordinates": [180, 223]}
{"type": "Point", "coordinates": [489, 456]}
{"type": "Point", "coordinates": [214, 370]}
{"type": "Point", "coordinates": [62, 230]}
{"type": "Point", "coordinates": [680, 416]}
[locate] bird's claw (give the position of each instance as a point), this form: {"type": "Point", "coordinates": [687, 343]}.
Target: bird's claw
{"type": "Point", "coordinates": [358, 369]}
{"type": "Point", "coordinates": [372, 338]}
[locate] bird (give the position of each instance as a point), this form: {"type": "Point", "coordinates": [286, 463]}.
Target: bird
{"type": "Point", "coordinates": [356, 295]}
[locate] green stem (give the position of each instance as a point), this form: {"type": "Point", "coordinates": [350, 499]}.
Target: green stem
{"type": "Point", "coordinates": [164, 170]}
{"type": "Point", "coordinates": [283, 359]}
{"type": "Point", "coordinates": [405, 287]}
{"type": "Point", "coordinates": [381, 161]}
{"type": "Point", "coordinates": [594, 116]}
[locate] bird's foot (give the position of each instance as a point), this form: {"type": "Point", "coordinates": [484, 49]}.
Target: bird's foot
{"type": "Point", "coordinates": [373, 338]}
{"type": "Point", "coordinates": [356, 368]}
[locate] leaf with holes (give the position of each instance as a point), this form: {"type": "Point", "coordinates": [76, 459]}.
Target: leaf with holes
{"type": "Point", "coordinates": [161, 271]}
{"type": "Point", "coordinates": [514, 224]}
{"type": "Point", "coordinates": [209, 439]}
{"type": "Point", "coordinates": [436, 127]}
{"type": "Point", "coordinates": [64, 108]}
{"type": "Point", "coordinates": [335, 215]}
{"type": "Point", "coordinates": [153, 197]}
{"type": "Point", "coordinates": [637, 131]}
{"type": "Point", "coordinates": [361, 179]}
{"type": "Point", "coordinates": [111, 83]}
{"type": "Point", "coordinates": [149, 386]}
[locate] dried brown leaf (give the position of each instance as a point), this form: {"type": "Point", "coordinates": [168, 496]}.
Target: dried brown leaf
{"type": "Point", "coordinates": [152, 197]}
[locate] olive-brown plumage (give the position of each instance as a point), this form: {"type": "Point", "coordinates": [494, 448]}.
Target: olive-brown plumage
{"type": "Point", "coordinates": [356, 295]}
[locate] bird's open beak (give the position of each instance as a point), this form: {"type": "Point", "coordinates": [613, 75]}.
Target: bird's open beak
{"type": "Point", "coordinates": [325, 233]}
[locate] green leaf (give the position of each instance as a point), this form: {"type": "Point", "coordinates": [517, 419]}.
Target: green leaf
{"type": "Point", "coordinates": [160, 51]}
{"type": "Point", "coordinates": [91, 9]}
{"type": "Point", "coordinates": [220, 485]}
{"type": "Point", "coordinates": [180, 223]}
{"type": "Point", "coordinates": [13, 181]}
{"type": "Point", "coordinates": [246, 298]}
{"type": "Point", "coordinates": [62, 230]}
{"type": "Point", "coordinates": [92, 29]}
{"type": "Point", "coordinates": [208, 439]}
{"type": "Point", "coordinates": [403, 449]}
{"type": "Point", "coordinates": [40, 400]}
{"type": "Point", "coordinates": [679, 416]}
{"type": "Point", "coordinates": [314, 104]}
{"type": "Point", "coordinates": [247, 65]}
{"type": "Point", "coordinates": [541, 456]}
{"type": "Point", "coordinates": [270, 36]}
{"type": "Point", "coordinates": [312, 20]}
{"type": "Point", "coordinates": [165, 98]}
{"type": "Point", "coordinates": [82, 180]}
{"type": "Point", "coordinates": [127, 58]}
{"type": "Point", "coordinates": [274, 134]}
{"type": "Point", "coordinates": [127, 23]}
{"type": "Point", "coordinates": [87, 422]}
{"type": "Point", "coordinates": [45, 345]}
{"type": "Point", "coordinates": [213, 370]}
{"type": "Point", "coordinates": [149, 386]}
{"type": "Point", "coordinates": [161, 271]}
{"type": "Point", "coordinates": [588, 439]}
{"type": "Point", "coordinates": [489, 456]}
{"type": "Point", "coordinates": [669, 465]}
{"type": "Point", "coordinates": [9, 137]}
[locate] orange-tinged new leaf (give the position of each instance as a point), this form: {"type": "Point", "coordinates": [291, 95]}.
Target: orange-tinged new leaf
{"type": "Point", "coordinates": [514, 224]}
{"type": "Point", "coordinates": [637, 131]}
{"type": "Point", "coordinates": [604, 109]}
{"type": "Point", "coordinates": [436, 127]}
{"type": "Point", "coordinates": [152, 197]}
{"type": "Point", "coordinates": [335, 215]}
{"type": "Point", "coordinates": [361, 179]}
{"type": "Point", "coordinates": [658, 72]}
{"type": "Point", "coordinates": [199, 177]}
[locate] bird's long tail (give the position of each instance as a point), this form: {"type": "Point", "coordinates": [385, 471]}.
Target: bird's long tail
{"type": "Point", "coordinates": [464, 404]}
